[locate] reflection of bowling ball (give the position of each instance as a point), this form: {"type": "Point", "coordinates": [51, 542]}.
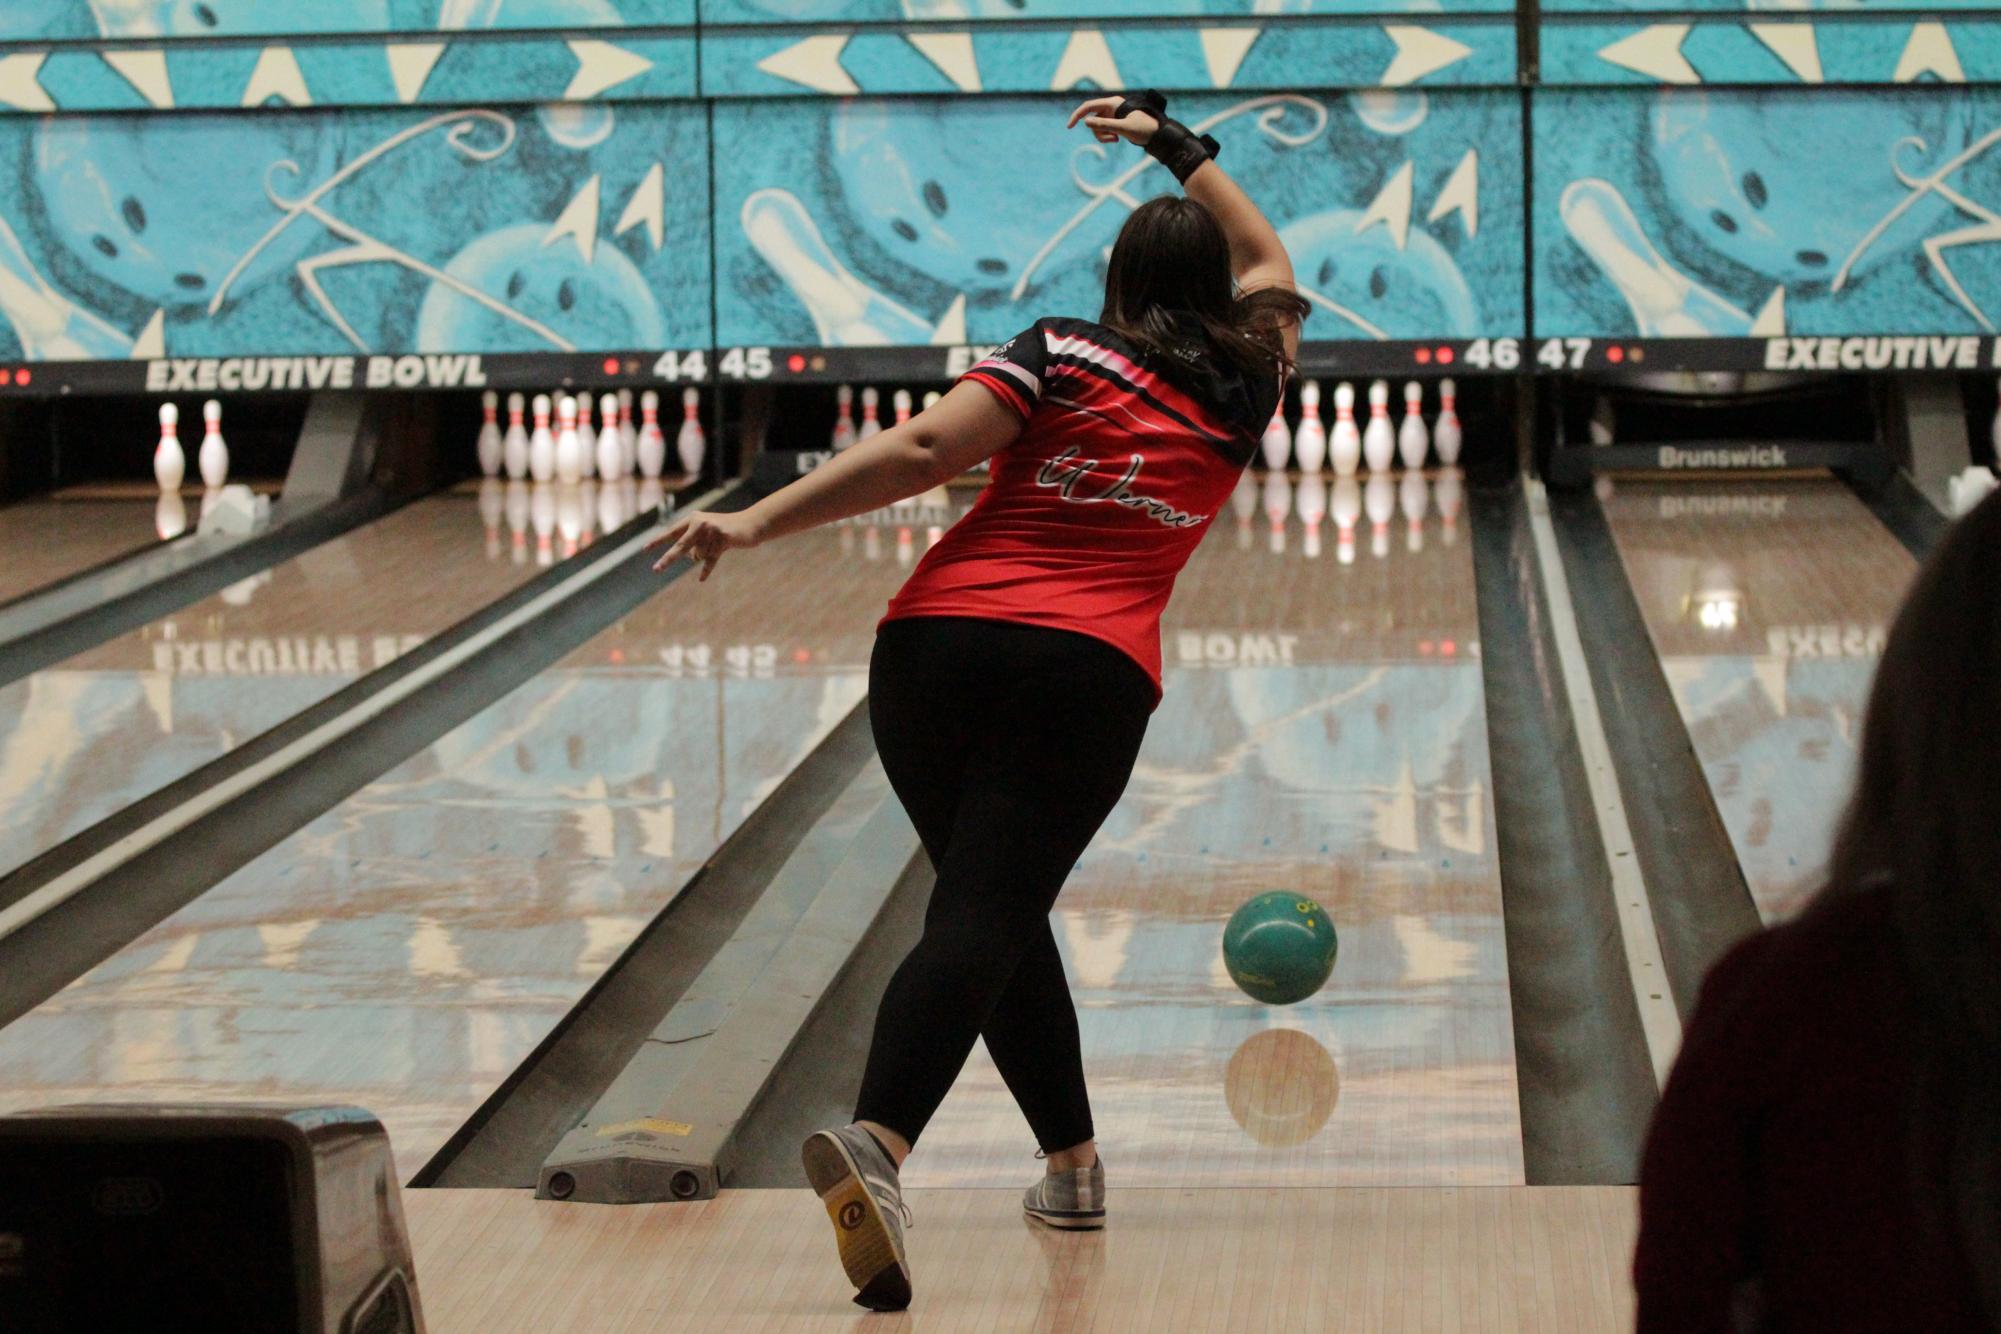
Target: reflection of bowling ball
{"type": "Point", "coordinates": [1281, 1086]}
{"type": "Point", "coordinates": [1279, 947]}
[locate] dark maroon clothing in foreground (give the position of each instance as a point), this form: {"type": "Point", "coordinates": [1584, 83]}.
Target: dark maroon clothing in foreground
{"type": "Point", "coordinates": [1777, 1189]}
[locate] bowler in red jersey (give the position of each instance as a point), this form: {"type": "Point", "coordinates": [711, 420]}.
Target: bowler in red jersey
{"type": "Point", "coordinates": [1015, 671]}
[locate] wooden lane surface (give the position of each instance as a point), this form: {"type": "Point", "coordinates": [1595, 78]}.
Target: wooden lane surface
{"type": "Point", "coordinates": [1323, 732]}
{"type": "Point", "coordinates": [48, 540]}
{"type": "Point", "coordinates": [408, 949]}
{"type": "Point", "coordinates": [83, 739]}
{"type": "Point", "coordinates": [1768, 603]}
{"type": "Point", "coordinates": [1492, 1259]}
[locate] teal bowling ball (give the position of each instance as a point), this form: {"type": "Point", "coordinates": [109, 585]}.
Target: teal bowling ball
{"type": "Point", "coordinates": [1280, 947]}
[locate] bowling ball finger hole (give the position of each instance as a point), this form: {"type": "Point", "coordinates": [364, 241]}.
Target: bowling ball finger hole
{"type": "Point", "coordinates": [1754, 190]}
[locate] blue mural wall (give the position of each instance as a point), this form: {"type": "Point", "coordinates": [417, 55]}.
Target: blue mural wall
{"type": "Point", "coordinates": [868, 222]}
{"type": "Point", "coordinates": [1734, 212]}
{"type": "Point", "coordinates": [558, 157]}
{"type": "Point", "coordinates": [551, 229]}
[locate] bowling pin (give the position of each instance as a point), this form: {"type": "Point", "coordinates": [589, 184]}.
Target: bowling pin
{"type": "Point", "coordinates": [1312, 506]}
{"type": "Point", "coordinates": [1309, 443]}
{"type": "Point", "coordinates": [844, 417]}
{"type": "Point", "coordinates": [611, 444]}
{"type": "Point", "coordinates": [213, 457]}
{"type": "Point", "coordinates": [933, 536]}
{"type": "Point", "coordinates": [1277, 442]}
{"type": "Point", "coordinates": [1346, 507]}
{"type": "Point", "coordinates": [902, 406]}
{"type": "Point", "coordinates": [1447, 435]}
{"type": "Point", "coordinates": [514, 447]}
{"type": "Point", "coordinates": [1278, 507]}
{"type": "Point", "coordinates": [489, 434]}
{"type": "Point", "coordinates": [1665, 302]}
{"type": "Point", "coordinates": [1244, 504]}
{"type": "Point", "coordinates": [1379, 441]}
{"type": "Point", "coordinates": [870, 426]}
{"type": "Point", "coordinates": [652, 447]}
{"type": "Point", "coordinates": [1451, 496]}
{"type": "Point", "coordinates": [569, 449]}
{"type": "Point", "coordinates": [1345, 446]}
{"type": "Point", "coordinates": [587, 438]}
{"type": "Point", "coordinates": [690, 445]}
{"type": "Point", "coordinates": [542, 444]}
{"type": "Point", "coordinates": [931, 400]}
{"type": "Point", "coordinates": [628, 435]}
{"type": "Point", "coordinates": [1413, 441]}
{"type": "Point", "coordinates": [170, 461]}
{"type": "Point", "coordinates": [1414, 497]}
{"type": "Point", "coordinates": [906, 546]}
{"type": "Point", "coordinates": [1379, 501]}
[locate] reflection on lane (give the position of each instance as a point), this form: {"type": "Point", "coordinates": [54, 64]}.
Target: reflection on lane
{"type": "Point", "coordinates": [47, 540]}
{"type": "Point", "coordinates": [1768, 603]}
{"type": "Point", "coordinates": [84, 739]}
{"type": "Point", "coordinates": [1323, 731]}
{"type": "Point", "coordinates": [407, 950]}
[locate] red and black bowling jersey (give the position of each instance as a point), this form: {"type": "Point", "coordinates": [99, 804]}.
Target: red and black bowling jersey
{"type": "Point", "coordinates": [1124, 459]}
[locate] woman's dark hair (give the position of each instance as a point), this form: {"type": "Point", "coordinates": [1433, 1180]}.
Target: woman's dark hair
{"type": "Point", "coordinates": [1925, 820]}
{"type": "Point", "coordinates": [1170, 277]}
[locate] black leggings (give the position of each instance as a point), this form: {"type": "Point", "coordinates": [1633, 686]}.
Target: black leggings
{"type": "Point", "coordinates": [1008, 745]}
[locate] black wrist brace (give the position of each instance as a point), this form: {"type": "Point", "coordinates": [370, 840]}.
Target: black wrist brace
{"type": "Point", "coordinates": [1173, 145]}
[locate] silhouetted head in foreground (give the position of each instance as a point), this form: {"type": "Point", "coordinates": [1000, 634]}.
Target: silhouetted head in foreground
{"type": "Point", "coordinates": [1926, 820]}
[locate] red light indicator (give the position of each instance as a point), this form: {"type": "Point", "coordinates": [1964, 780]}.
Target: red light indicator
{"type": "Point", "coordinates": [1423, 355]}
{"type": "Point", "coordinates": [802, 655]}
{"type": "Point", "coordinates": [1445, 356]}
{"type": "Point", "coordinates": [23, 376]}
{"type": "Point", "coordinates": [617, 657]}
{"type": "Point", "coordinates": [1448, 648]}
{"type": "Point", "coordinates": [795, 363]}
{"type": "Point", "coordinates": [1615, 355]}
{"type": "Point", "coordinates": [1424, 648]}
{"type": "Point", "coordinates": [611, 365]}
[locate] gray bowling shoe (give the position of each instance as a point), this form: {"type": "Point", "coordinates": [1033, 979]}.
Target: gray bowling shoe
{"type": "Point", "coordinates": [1074, 1201]}
{"type": "Point", "coordinates": [858, 1183]}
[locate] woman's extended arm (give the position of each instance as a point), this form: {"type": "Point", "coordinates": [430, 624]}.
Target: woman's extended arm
{"type": "Point", "coordinates": [967, 425]}
{"type": "Point", "coordinates": [1257, 257]}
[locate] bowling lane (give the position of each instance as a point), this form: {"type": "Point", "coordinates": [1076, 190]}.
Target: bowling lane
{"type": "Point", "coordinates": [83, 739]}
{"type": "Point", "coordinates": [1768, 603]}
{"type": "Point", "coordinates": [49, 540]}
{"type": "Point", "coordinates": [1324, 731]}
{"type": "Point", "coordinates": [408, 949]}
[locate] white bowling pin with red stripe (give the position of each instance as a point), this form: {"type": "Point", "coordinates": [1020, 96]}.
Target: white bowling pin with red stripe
{"type": "Point", "coordinates": [652, 447]}
{"type": "Point", "coordinates": [170, 461]}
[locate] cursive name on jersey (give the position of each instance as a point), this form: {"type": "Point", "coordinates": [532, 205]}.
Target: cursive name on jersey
{"type": "Point", "coordinates": [1068, 473]}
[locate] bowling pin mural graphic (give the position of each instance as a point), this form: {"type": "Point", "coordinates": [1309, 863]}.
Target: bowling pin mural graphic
{"type": "Point", "coordinates": [907, 225]}
{"type": "Point", "coordinates": [300, 238]}
{"type": "Point", "coordinates": [1718, 213]}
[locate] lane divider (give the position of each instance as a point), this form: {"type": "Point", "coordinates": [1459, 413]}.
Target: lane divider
{"type": "Point", "coordinates": [61, 888]}
{"type": "Point", "coordinates": [1659, 1020]}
